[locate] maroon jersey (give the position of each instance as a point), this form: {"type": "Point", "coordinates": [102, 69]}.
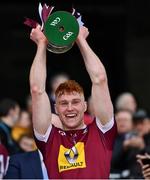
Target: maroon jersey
{"type": "Point", "coordinates": [78, 154]}
{"type": "Point", "coordinates": [3, 160]}
{"type": "Point", "coordinates": [88, 119]}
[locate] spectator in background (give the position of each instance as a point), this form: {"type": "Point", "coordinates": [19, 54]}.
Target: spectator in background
{"type": "Point", "coordinates": [124, 121]}
{"type": "Point", "coordinates": [23, 126]}
{"type": "Point", "coordinates": [4, 157]}
{"type": "Point", "coordinates": [27, 165]}
{"type": "Point", "coordinates": [131, 144]}
{"type": "Point", "coordinates": [142, 126]}
{"type": "Point", "coordinates": [54, 82]}
{"type": "Point", "coordinates": [27, 143]}
{"type": "Point", "coordinates": [9, 114]}
{"type": "Point", "coordinates": [141, 122]}
{"type": "Point", "coordinates": [126, 101]}
{"type": "Point", "coordinates": [125, 127]}
{"type": "Point", "coordinates": [144, 161]}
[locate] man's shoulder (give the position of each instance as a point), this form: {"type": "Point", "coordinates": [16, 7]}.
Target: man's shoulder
{"type": "Point", "coordinates": [4, 133]}
{"type": "Point", "coordinates": [23, 155]}
{"type": "Point", "coordinates": [4, 129]}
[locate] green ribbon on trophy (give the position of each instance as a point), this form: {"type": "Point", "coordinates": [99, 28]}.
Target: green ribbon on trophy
{"type": "Point", "coordinates": [61, 28]}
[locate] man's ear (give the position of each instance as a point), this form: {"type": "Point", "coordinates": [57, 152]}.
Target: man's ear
{"type": "Point", "coordinates": [55, 109]}
{"type": "Point", "coordinates": [11, 112]}
{"type": "Point", "coordinates": [85, 106]}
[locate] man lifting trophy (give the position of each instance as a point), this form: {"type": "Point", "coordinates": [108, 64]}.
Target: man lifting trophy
{"type": "Point", "coordinates": [74, 150]}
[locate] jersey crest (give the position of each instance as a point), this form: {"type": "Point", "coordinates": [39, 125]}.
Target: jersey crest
{"type": "Point", "coordinates": [71, 158]}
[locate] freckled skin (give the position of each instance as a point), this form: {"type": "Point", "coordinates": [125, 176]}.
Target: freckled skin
{"type": "Point", "coordinates": [71, 108]}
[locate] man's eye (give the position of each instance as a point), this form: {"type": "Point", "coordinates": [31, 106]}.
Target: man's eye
{"type": "Point", "coordinates": [63, 103]}
{"type": "Point", "coordinates": [75, 102]}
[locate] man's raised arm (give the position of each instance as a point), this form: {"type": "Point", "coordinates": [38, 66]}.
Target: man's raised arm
{"type": "Point", "coordinates": [41, 111]}
{"type": "Point", "coordinates": [102, 104]}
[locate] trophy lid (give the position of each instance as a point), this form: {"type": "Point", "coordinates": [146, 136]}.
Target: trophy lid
{"type": "Point", "coordinates": [61, 29]}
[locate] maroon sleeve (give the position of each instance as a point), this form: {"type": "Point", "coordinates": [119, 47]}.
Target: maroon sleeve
{"type": "Point", "coordinates": [43, 145]}
{"type": "Point", "coordinates": [110, 136]}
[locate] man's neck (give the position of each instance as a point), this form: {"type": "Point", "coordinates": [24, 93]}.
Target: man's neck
{"type": "Point", "coordinates": [7, 120]}
{"type": "Point", "coordinates": [83, 126]}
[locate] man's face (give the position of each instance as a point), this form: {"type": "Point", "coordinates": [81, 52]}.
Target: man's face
{"type": "Point", "coordinates": [124, 121]}
{"type": "Point", "coordinates": [27, 144]}
{"type": "Point", "coordinates": [14, 113]}
{"type": "Point", "coordinates": [70, 108]}
{"type": "Point", "coordinates": [143, 127]}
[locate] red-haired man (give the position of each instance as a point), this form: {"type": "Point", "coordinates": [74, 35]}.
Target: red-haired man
{"type": "Point", "coordinates": [75, 151]}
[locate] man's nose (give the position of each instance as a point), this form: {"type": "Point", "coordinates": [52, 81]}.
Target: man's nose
{"type": "Point", "coordinates": [70, 107]}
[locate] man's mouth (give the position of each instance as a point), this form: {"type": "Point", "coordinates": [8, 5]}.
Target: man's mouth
{"type": "Point", "coordinates": [71, 115]}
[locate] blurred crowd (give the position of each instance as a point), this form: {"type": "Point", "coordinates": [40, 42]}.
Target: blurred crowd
{"type": "Point", "coordinates": [133, 140]}
{"type": "Point", "coordinates": [18, 151]}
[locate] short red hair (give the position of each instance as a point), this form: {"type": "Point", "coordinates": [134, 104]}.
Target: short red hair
{"type": "Point", "coordinates": [68, 87]}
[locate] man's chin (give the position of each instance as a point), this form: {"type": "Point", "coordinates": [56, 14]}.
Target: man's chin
{"type": "Point", "coordinates": [72, 126]}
